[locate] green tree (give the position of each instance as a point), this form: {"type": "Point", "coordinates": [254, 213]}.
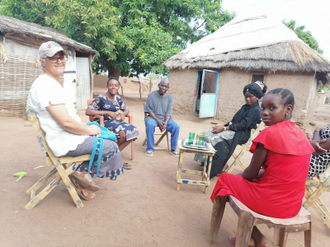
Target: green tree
{"type": "Point", "coordinates": [305, 36]}
{"type": "Point", "coordinates": [134, 36]}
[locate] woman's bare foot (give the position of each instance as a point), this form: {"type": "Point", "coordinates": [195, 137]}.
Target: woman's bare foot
{"type": "Point", "coordinates": [251, 242]}
{"type": "Point", "coordinates": [259, 239]}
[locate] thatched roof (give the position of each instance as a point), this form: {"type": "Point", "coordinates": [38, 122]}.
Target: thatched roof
{"type": "Point", "coordinates": [286, 53]}
{"type": "Point", "coordinates": [13, 28]}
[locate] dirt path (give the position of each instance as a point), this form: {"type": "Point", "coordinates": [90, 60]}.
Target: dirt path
{"type": "Point", "coordinates": [141, 208]}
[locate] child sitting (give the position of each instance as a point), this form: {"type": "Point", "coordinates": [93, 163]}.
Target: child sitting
{"type": "Point", "coordinates": [274, 182]}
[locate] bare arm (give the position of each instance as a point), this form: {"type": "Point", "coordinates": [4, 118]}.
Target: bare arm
{"type": "Point", "coordinates": [320, 146]}
{"type": "Point", "coordinates": [121, 116]}
{"type": "Point", "coordinates": [62, 117]}
{"type": "Point", "coordinates": [257, 160]}
{"type": "Point", "coordinates": [167, 118]}
{"type": "Point", "coordinates": [91, 112]}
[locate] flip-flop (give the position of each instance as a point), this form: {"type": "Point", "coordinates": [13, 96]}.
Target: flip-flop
{"type": "Point", "coordinates": [84, 183]}
{"type": "Point", "coordinates": [80, 194]}
{"type": "Point", "coordinates": [233, 241]}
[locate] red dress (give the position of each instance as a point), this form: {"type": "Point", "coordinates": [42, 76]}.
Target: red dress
{"type": "Point", "coordinates": [279, 192]}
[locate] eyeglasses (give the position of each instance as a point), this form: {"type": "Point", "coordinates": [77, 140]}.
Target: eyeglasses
{"type": "Point", "coordinates": [56, 59]}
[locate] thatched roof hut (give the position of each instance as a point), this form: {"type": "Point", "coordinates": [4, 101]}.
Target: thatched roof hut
{"type": "Point", "coordinates": [242, 51]}
{"type": "Point", "coordinates": [23, 31]}
{"type": "Point", "coordinates": [19, 64]}
{"type": "Point", "coordinates": [285, 56]}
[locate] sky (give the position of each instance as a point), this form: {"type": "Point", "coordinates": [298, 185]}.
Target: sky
{"type": "Point", "coordinates": [313, 14]}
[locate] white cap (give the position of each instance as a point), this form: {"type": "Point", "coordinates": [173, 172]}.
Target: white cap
{"type": "Point", "coordinates": [49, 49]}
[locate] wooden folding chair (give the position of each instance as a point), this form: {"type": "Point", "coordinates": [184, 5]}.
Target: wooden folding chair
{"type": "Point", "coordinates": [161, 135]}
{"type": "Point", "coordinates": [240, 149]}
{"type": "Point", "coordinates": [314, 189]}
{"type": "Point", "coordinates": [64, 166]}
{"type": "Point", "coordinates": [101, 118]}
{"type": "Point", "coordinates": [249, 218]}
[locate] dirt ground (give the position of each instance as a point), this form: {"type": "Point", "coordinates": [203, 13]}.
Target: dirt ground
{"type": "Point", "coordinates": [141, 208]}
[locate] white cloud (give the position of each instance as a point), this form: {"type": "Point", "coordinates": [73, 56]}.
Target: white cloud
{"type": "Point", "coordinates": [313, 14]}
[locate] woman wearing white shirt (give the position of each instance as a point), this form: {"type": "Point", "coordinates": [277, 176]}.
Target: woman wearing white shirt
{"type": "Point", "coordinates": [65, 134]}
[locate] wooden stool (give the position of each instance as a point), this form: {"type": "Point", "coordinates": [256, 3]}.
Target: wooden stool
{"type": "Point", "coordinates": [249, 218]}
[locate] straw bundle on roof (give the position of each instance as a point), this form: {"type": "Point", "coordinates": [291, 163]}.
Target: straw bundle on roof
{"type": "Point", "coordinates": [285, 56]}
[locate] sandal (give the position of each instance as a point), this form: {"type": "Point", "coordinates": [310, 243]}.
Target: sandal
{"type": "Point", "coordinates": [149, 153]}
{"type": "Point", "coordinates": [80, 193]}
{"type": "Point", "coordinates": [84, 183]}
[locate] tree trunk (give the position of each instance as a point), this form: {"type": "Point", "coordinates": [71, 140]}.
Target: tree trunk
{"type": "Point", "coordinates": [140, 91]}
{"type": "Point", "coordinates": [114, 72]}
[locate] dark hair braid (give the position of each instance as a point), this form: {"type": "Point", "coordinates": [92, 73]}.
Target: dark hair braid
{"type": "Point", "coordinates": [286, 95]}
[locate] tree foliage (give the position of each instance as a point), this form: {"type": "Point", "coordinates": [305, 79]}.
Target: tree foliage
{"type": "Point", "coordinates": [130, 35]}
{"type": "Point", "coordinates": [305, 36]}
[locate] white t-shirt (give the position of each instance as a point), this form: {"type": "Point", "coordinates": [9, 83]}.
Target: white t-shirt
{"type": "Point", "coordinates": [45, 91]}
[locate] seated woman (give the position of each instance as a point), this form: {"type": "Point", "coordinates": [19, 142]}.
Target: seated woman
{"type": "Point", "coordinates": [320, 160]}
{"type": "Point", "coordinates": [110, 104]}
{"type": "Point", "coordinates": [65, 134]}
{"type": "Point", "coordinates": [274, 182]}
{"type": "Point", "coordinates": [237, 131]}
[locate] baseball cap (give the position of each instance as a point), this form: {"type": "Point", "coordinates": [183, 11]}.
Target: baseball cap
{"type": "Point", "coordinates": [49, 49]}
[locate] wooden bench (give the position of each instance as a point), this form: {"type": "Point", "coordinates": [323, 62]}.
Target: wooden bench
{"type": "Point", "coordinates": [248, 219]}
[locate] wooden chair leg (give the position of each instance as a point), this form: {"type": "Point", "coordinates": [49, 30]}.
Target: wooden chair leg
{"type": "Point", "coordinates": [76, 199]}
{"type": "Point", "coordinates": [280, 237]}
{"type": "Point", "coordinates": [244, 229]}
{"type": "Point", "coordinates": [64, 173]}
{"type": "Point", "coordinates": [322, 211]}
{"type": "Point", "coordinates": [132, 150]}
{"type": "Point", "coordinates": [42, 194]}
{"type": "Point", "coordinates": [144, 142]}
{"type": "Point", "coordinates": [161, 138]}
{"type": "Point", "coordinates": [313, 197]}
{"type": "Point", "coordinates": [308, 236]}
{"type": "Point", "coordinates": [168, 142]}
{"type": "Point", "coordinates": [41, 181]}
{"type": "Point", "coordinates": [217, 214]}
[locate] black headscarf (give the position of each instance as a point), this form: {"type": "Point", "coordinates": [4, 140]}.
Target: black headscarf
{"type": "Point", "coordinates": [257, 88]}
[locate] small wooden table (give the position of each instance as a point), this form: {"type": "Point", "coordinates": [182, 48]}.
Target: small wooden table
{"type": "Point", "coordinates": [205, 174]}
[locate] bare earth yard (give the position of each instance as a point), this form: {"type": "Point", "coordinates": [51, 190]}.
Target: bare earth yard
{"type": "Point", "coordinates": [141, 208]}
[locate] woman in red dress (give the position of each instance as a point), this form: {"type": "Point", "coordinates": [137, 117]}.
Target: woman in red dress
{"type": "Point", "coordinates": [274, 182]}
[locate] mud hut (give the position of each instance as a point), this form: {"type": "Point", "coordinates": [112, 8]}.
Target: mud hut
{"type": "Point", "coordinates": [19, 64]}
{"type": "Point", "coordinates": [207, 78]}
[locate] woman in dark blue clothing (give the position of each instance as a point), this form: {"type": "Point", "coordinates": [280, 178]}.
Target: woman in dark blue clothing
{"type": "Point", "coordinates": [114, 110]}
{"type": "Point", "coordinates": [236, 132]}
